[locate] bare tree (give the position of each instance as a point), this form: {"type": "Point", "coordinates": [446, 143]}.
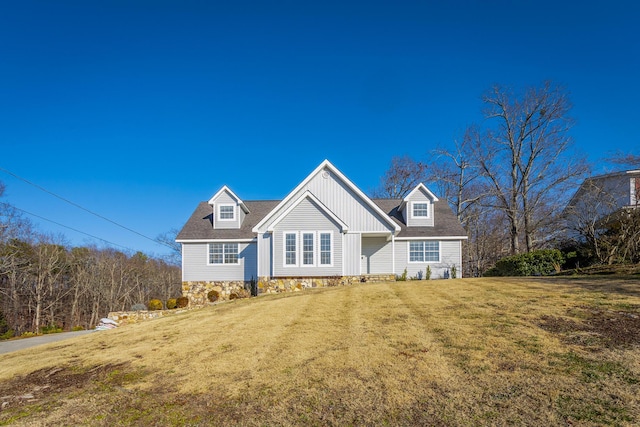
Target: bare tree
{"type": "Point", "coordinates": [457, 177]}
{"type": "Point", "coordinates": [168, 238]}
{"type": "Point", "coordinates": [524, 157]}
{"type": "Point", "coordinates": [403, 175]}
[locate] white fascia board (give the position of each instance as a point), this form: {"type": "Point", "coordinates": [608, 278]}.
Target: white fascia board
{"type": "Point", "coordinates": [284, 201]}
{"type": "Point", "coordinates": [434, 238]}
{"type": "Point", "coordinates": [422, 187]}
{"type": "Point", "coordinates": [254, 239]}
{"type": "Point", "coordinates": [326, 164]}
{"type": "Point", "coordinates": [228, 190]}
{"type": "Point", "coordinates": [308, 195]}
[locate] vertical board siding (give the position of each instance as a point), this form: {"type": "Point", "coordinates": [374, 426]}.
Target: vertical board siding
{"type": "Point", "coordinates": [377, 255]}
{"type": "Point", "coordinates": [307, 216]}
{"type": "Point", "coordinates": [343, 202]}
{"type": "Point", "coordinates": [265, 249]}
{"type": "Point", "coordinates": [450, 254]}
{"type": "Point", "coordinates": [225, 199]}
{"type": "Point", "coordinates": [196, 265]}
{"type": "Point", "coordinates": [352, 251]}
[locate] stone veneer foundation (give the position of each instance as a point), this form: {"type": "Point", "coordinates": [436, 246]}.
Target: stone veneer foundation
{"type": "Point", "coordinates": [197, 291]}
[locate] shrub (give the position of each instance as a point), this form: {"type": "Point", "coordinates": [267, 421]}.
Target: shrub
{"type": "Point", "coordinates": [172, 303]}
{"type": "Point", "coordinates": [403, 277]}
{"type": "Point", "coordinates": [537, 263]}
{"type": "Point", "coordinates": [240, 293]}
{"type": "Point", "coordinates": [77, 328]}
{"type": "Point", "coordinates": [427, 275]}
{"type": "Point", "coordinates": [454, 271]}
{"type": "Point", "coordinates": [213, 296]}
{"type": "Point", "coordinates": [50, 329]}
{"type": "Point", "coordinates": [7, 335]}
{"type": "Point", "coordinates": [28, 334]}
{"type": "Point", "coordinates": [182, 302]}
{"type": "Point", "coordinates": [155, 304]}
{"type": "Point", "coordinates": [138, 307]}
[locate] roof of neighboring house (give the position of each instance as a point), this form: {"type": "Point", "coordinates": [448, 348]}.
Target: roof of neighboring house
{"type": "Point", "coordinates": [200, 226]}
{"type": "Point", "coordinates": [446, 224]}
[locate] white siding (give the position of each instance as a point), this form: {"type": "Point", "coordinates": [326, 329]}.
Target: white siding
{"type": "Point", "coordinates": [343, 202]}
{"type": "Point", "coordinates": [352, 251]}
{"type": "Point", "coordinates": [195, 264]}
{"type": "Point", "coordinates": [307, 216]}
{"type": "Point", "coordinates": [226, 199]}
{"type": "Point", "coordinates": [450, 254]}
{"type": "Point", "coordinates": [377, 255]}
{"type": "Point", "coordinates": [265, 249]}
{"type": "Point", "coordinates": [418, 196]}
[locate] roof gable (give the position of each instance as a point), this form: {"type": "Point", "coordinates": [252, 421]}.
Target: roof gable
{"type": "Point", "coordinates": [329, 169]}
{"type": "Point", "coordinates": [228, 191]}
{"type": "Point", "coordinates": [308, 195]}
{"type": "Point", "coordinates": [419, 188]}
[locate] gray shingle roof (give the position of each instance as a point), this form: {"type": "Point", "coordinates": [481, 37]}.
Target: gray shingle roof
{"type": "Point", "coordinates": [446, 224]}
{"type": "Point", "coordinates": [199, 226]}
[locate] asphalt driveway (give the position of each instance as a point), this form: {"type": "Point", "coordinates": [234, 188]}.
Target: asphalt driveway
{"type": "Point", "coordinates": [21, 344]}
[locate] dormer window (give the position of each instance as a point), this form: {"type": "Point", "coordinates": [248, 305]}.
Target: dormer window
{"type": "Point", "coordinates": [226, 212]}
{"type": "Point", "coordinates": [420, 210]}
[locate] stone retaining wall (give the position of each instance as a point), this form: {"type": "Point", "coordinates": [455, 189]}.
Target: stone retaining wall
{"type": "Point", "coordinates": [197, 291]}
{"type": "Point", "coordinates": [126, 317]}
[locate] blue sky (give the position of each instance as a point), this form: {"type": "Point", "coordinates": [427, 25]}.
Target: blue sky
{"type": "Point", "coordinates": [138, 110]}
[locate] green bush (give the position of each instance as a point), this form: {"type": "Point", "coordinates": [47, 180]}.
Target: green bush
{"type": "Point", "coordinates": [138, 307]}
{"type": "Point", "coordinates": [182, 302]}
{"type": "Point", "coordinates": [213, 296]}
{"type": "Point", "coordinates": [50, 329]}
{"type": "Point", "coordinates": [77, 328]}
{"type": "Point", "coordinates": [8, 334]}
{"type": "Point", "coordinates": [537, 263]}
{"type": "Point", "coordinates": [403, 277]}
{"type": "Point", "coordinates": [172, 303]}
{"type": "Point", "coordinates": [427, 275]}
{"type": "Point", "coordinates": [155, 304]}
{"type": "Point", "coordinates": [454, 271]}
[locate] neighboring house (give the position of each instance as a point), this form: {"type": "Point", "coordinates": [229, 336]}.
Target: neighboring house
{"type": "Point", "coordinates": [324, 232]}
{"type": "Point", "coordinates": [599, 197]}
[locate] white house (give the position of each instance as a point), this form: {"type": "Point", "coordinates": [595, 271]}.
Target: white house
{"type": "Point", "coordinates": [325, 228]}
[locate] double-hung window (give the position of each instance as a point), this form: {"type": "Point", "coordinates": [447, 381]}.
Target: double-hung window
{"type": "Point", "coordinates": [308, 248]}
{"type": "Point", "coordinates": [325, 249]}
{"type": "Point", "coordinates": [308, 253]}
{"type": "Point", "coordinates": [290, 249]}
{"type": "Point", "coordinates": [424, 251]}
{"type": "Point", "coordinates": [226, 212]}
{"type": "Point", "coordinates": [420, 210]}
{"type": "Point", "coordinates": [223, 253]}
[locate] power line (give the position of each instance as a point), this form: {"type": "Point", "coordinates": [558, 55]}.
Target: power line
{"type": "Point", "coordinates": [66, 226]}
{"type": "Point", "coordinates": [83, 208]}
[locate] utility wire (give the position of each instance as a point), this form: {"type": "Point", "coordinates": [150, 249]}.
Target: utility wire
{"type": "Point", "coordinates": [66, 226]}
{"type": "Point", "coordinates": [83, 208]}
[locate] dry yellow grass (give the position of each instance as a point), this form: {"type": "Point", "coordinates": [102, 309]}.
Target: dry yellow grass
{"type": "Point", "coordinates": [458, 352]}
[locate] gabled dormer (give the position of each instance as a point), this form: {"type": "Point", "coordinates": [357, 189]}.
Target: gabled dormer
{"type": "Point", "coordinates": [228, 210]}
{"type": "Point", "coordinates": [417, 207]}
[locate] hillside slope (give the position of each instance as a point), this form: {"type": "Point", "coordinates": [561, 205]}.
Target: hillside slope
{"type": "Point", "coordinates": [456, 352]}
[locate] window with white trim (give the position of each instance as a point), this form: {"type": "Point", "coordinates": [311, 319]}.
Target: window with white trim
{"type": "Point", "coordinates": [424, 251]}
{"type": "Point", "coordinates": [325, 249]}
{"type": "Point", "coordinates": [226, 212]}
{"type": "Point", "coordinates": [420, 210]}
{"type": "Point", "coordinates": [223, 253]}
{"type": "Point", "coordinates": [290, 249]}
{"type": "Point", "coordinates": [308, 247]}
